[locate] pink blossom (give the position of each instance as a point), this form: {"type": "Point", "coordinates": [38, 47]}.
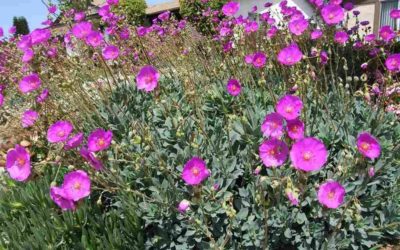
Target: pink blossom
{"type": "Point", "coordinates": [12, 30]}
{"type": "Point", "coordinates": [18, 163]}
{"type": "Point", "coordinates": [392, 63]}
{"type": "Point", "coordinates": [79, 16]}
{"type": "Point", "coordinates": [293, 197]}
{"type": "Point", "coordinates": [233, 87]}
{"type": "Point", "coordinates": [295, 129]}
{"type": "Point", "coordinates": [52, 9]}
{"type": "Point", "coordinates": [368, 145]}
{"type": "Point", "coordinates": [29, 83]}
{"type": "Point", "coordinates": [332, 14]}
{"type": "Point", "coordinates": [290, 55]}
{"type": "Point", "coordinates": [94, 39]}
{"type": "Point", "coordinates": [59, 131]}
{"type": "Point", "coordinates": [259, 59]}
{"type": "Point", "coordinates": [1, 99]}
{"type": "Point", "coordinates": [82, 30]}
{"type": "Point", "coordinates": [25, 43]}
{"type": "Point", "coordinates": [308, 154]}
{"type": "Point", "coordinates": [298, 26]}
{"type": "Point", "coordinates": [371, 172]}
{"type": "Point", "coordinates": [74, 141]}
{"type": "Point", "coordinates": [28, 55]}
{"type": "Point", "coordinates": [147, 79]}
{"type": "Point", "coordinates": [29, 118]}
{"type": "Point", "coordinates": [183, 206]}
{"type": "Point", "coordinates": [110, 52]}
{"type": "Point", "coordinates": [42, 96]}
{"type": "Point", "coordinates": [195, 171]}
{"type": "Point", "coordinates": [341, 37]}
{"type": "Point", "coordinates": [39, 36]}
{"type": "Point", "coordinates": [76, 185]}
{"type": "Point", "coordinates": [99, 140]}
{"type": "Point", "coordinates": [59, 197]}
{"type": "Point", "coordinates": [1, 32]}
{"type": "Point", "coordinates": [272, 125]}
{"type": "Point", "coordinates": [331, 194]}
{"type": "Point", "coordinates": [273, 152]}
{"type": "Point", "coordinates": [91, 159]}
{"type": "Point", "coordinates": [387, 33]}
{"type": "Point", "coordinates": [315, 34]}
{"type": "Point", "coordinates": [289, 106]}
{"type": "Point", "coordinates": [230, 8]}
{"type": "Point", "coordinates": [395, 13]}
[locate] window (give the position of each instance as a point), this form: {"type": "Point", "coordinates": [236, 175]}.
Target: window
{"type": "Point", "coordinates": [386, 7]}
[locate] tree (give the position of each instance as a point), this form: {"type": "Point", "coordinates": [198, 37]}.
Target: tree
{"type": "Point", "coordinates": [134, 10]}
{"type": "Point", "coordinates": [79, 5]}
{"type": "Point", "coordinates": [21, 25]}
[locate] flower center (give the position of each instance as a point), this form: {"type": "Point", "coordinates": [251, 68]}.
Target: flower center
{"type": "Point", "coordinates": [233, 87]}
{"type": "Point", "coordinates": [331, 195]}
{"type": "Point", "coordinates": [20, 161]}
{"type": "Point", "coordinates": [77, 186]}
{"type": "Point", "coordinates": [294, 128]}
{"type": "Point", "coordinates": [307, 156]}
{"type": "Point", "coordinates": [331, 16]}
{"type": "Point", "coordinates": [272, 152]}
{"type": "Point", "coordinates": [289, 109]}
{"type": "Point", "coordinates": [195, 171]}
{"type": "Point", "coordinates": [365, 145]}
{"type": "Point", "coordinates": [148, 79]}
{"type": "Point", "coordinates": [60, 133]}
{"type": "Point", "coordinates": [100, 142]}
{"type": "Point", "coordinates": [274, 125]}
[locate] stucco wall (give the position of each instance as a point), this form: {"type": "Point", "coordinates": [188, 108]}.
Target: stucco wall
{"type": "Point", "coordinates": [367, 13]}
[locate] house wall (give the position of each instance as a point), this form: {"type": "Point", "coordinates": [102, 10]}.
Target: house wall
{"type": "Point", "coordinates": [247, 5]}
{"type": "Point", "coordinates": [367, 13]}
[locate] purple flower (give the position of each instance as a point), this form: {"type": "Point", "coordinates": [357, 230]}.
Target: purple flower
{"type": "Point", "coordinates": [18, 163]}
{"type": "Point", "coordinates": [42, 96]}
{"type": "Point", "coordinates": [293, 197]}
{"type": "Point", "coordinates": [110, 52]}
{"type": "Point", "coordinates": [74, 141]}
{"type": "Point", "coordinates": [195, 171]}
{"type": "Point", "coordinates": [1, 32]}
{"type": "Point", "coordinates": [273, 152]}
{"type": "Point", "coordinates": [39, 36]}
{"type": "Point", "coordinates": [104, 11]}
{"type": "Point", "coordinates": [52, 9]}
{"type": "Point", "coordinates": [368, 145]}
{"type": "Point", "coordinates": [99, 140]}
{"type": "Point", "coordinates": [323, 56]}
{"type": "Point", "coordinates": [298, 26]}
{"type": "Point", "coordinates": [79, 16]}
{"type": "Point", "coordinates": [1, 99]}
{"type": "Point", "coordinates": [59, 197]}
{"type": "Point", "coordinates": [147, 79]}
{"type": "Point", "coordinates": [395, 13]}
{"type": "Point", "coordinates": [392, 63]}
{"type": "Point", "coordinates": [25, 43]}
{"type": "Point", "coordinates": [315, 34]}
{"type": "Point", "coordinates": [76, 185]}
{"type": "Point", "coordinates": [141, 31]}
{"type": "Point", "coordinates": [82, 30]}
{"type": "Point", "coordinates": [295, 129]}
{"type": "Point", "coordinates": [290, 55]}
{"type": "Point", "coordinates": [308, 154]}
{"type": "Point", "coordinates": [29, 118]}
{"type": "Point", "coordinates": [348, 6]}
{"type": "Point", "coordinates": [259, 59]}
{"type": "Point", "coordinates": [332, 14]}
{"type": "Point", "coordinates": [91, 159]}
{"type": "Point", "coordinates": [230, 8]}
{"type": "Point", "coordinates": [331, 194]}
{"type": "Point", "coordinates": [28, 55]}
{"type": "Point", "coordinates": [272, 125]}
{"type": "Point", "coordinates": [94, 39]}
{"type": "Point", "coordinates": [249, 58]}
{"type": "Point", "coordinates": [370, 37]}
{"type": "Point", "coordinates": [59, 131]}
{"type": "Point", "coordinates": [233, 87]}
{"type": "Point", "coordinates": [29, 83]}
{"type": "Point", "coordinates": [289, 107]}
{"type": "Point", "coordinates": [272, 32]}
{"type": "Point", "coordinates": [341, 37]}
{"type": "Point", "coordinates": [12, 30]}
{"type": "Point", "coordinates": [387, 33]}
{"type": "Point", "coordinates": [183, 206]}
{"type": "Point", "coordinates": [164, 16]}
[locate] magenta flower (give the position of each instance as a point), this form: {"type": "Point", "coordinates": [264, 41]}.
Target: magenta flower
{"type": "Point", "coordinates": [249, 58]}
{"type": "Point", "coordinates": [183, 206]}
{"type": "Point", "coordinates": [259, 59]}
{"type": "Point", "coordinates": [52, 9]}
{"type": "Point", "coordinates": [332, 14]}
{"type": "Point", "coordinates": [230, 8]}
{"type": "Point", "coordinates": [316, 34]}
{"type": "Point", "coordinates": [147, 79]}
{"type": "Point", "coordinates": [371, 172]}
{"type": "Point", "coordinates": [348, 6]}
{"type": "Point", "coordinates": [386, 33]}
{"type": "Point", "coordinates": [94, 39]}
{"type": "Point", "coordinates": [323, 56]}
{"type": "Point", "coordinates": [273, 152]}
{"type": "Point", "coordinates": [99, 140]}
{"type": "Point", "coordinates": [112, 2]}
{"type": "Point", "coordinates": [79, 16]}
{"type": "Point", "coordinates": [392, 63]}
{"type": "Point", "coordinates": [395, 13]}
{"type": "Point", "coordinates": [295, 129]}
{"type": "Point", "coordinates": [1, 99]}
{"type": "Point", "coordinates": [12, 30]}
{"type": "Point", "coordinates": [368, 145]}
{"type": "Point", "coordinates": [370, 37]}
{"type": "Point", "coordinates": [60, 198]}
{"type": "Point", "coordinates": [272, 125]}
{"type": "Point", "coordinates": [39, 36]}
{"type": "Point", "coordinates": [293, 198]}
{"type": "Point", "coordinates": [272, 32]}
{"type": "Point", "coordinates": [308, 154]}
{"type": "Point", "coordinates": [110, 52]}
{"type": "Point", "coordinates": [18, 163]}
{"type": "Point", "coordinates": [29, 118]}
{"type": "Point", "coordinates": [42, 96]}
{"type": "Point", "coordinates": [233, 87]}
{"type": "Point", "coordinates": [290, 55]}
{"type": "Point", "coordinates": [29, 83]}
{"type": "Point", "coordinates": [341, 37]}
{"type": "Point", "coordinates": [25, 43]}
{"type": "Point", "coordinates": [1, 32]}
{"type": "Point", "coordinates": [91, 159]}
{"type": "Point", "coordinates": [59, 131]}
{"type": "Point", "coordinates": [298, 26]}
{"type": "Point", "coordinates": [195, 171]}
{"type": "Point", "coordinates": [331, 194]}
{"type": "Point", "coordinates": [76, 185]}
{"type": "Point", "coordinates": [28, 55]}
{"type": "Point", "coordinates": [289, 107]}
{"type": "Point", "coordinates": [74, 141]}
{"type": "Point", "coordinates": [141, 31]}
{"type": "Point", "coordinates": [82, 30]}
